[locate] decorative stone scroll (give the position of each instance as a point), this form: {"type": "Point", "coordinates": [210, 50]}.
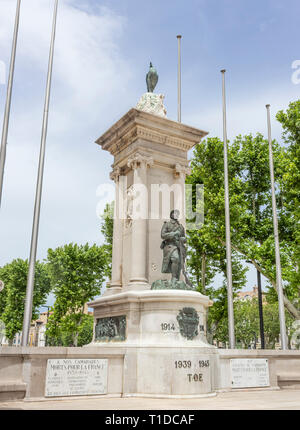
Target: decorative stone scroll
{"type": "Point", "coordinates": [115, 173]}
{"type": "Point", "coordinates": [139, 160]}
{"type": "Point", "coordinates": [111, 328]}
{"type": "Point", "coordinates": [180, 170]}
{"type": "Point", "coordinates": [152, 103]}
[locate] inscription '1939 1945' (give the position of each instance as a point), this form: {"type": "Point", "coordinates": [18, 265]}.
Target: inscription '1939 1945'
{"type": "Point", "coordinates": [187, 364]}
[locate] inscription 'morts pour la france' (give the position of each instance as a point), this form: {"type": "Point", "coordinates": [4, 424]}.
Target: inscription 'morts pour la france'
{"type": "Point", "coordinates": [249, 372]}
{"type": "Point", "coordinates": [76, 377]}
{"type": "Point", "coordinates": [111, 328]}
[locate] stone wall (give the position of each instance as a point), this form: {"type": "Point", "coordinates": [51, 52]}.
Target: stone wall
{"type": "Point", "coordinates": [284, 366]}
{"type": "Point", "coordinates": [23, 370]}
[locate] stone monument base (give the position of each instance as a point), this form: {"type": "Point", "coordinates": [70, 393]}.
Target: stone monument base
{"type": "Point", "coordinates": [162, 335]}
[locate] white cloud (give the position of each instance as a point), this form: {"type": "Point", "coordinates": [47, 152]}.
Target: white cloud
{"type": "Point", "coordinates": [89, 75]}
{"type": "Point", "coordinates": [245, 113]}
{"type": "Point", "coordinates": [88, 67]}
{"type": "Point", "coordinates": [92, 87]}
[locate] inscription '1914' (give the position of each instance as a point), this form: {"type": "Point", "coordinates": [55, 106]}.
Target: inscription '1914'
{"type": "Point", "coordinates": [167, 326]}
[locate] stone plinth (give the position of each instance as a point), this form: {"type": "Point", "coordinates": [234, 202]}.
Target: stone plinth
{"type": "Point", "coordinates": [158, 317]}
{"type": "Point", "coordinates": [163, 336]}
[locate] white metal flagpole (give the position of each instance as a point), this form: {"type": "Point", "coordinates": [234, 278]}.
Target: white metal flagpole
{"type": "Point", "coordinates": [8, 98]}
{"type": "Point", "coordinates": [227, 226]}
{"type": "Point", "coordinates": [276, 239]}
{"type": "Point", "coordinates": [37, 206]}
{"type": "Point", "coordinates": [179, 80]}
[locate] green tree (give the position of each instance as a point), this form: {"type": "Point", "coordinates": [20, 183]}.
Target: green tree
{"type": "Point", "coordinates": [65, 335]}
{"type": "Point", "coordinates": [12, 298]}
{"type": "Point", "coordinates": [250, 214]}
{"type": "Point", "coordinates": [272, 324]}
{"type": "Point", "coordinates": [3, 295]}
{"type": "Point", "coordinates": [77, 273]}
{"type": "Point", "coordinates": [217, 319]}
{"type": "Point", "coordinates": [256, 225]}
{"type": "Point", "coordinates": [246, 322]}
{"type": "Point", "coordinates": [246, 325]}
{"type": "Point", "coordinates": [247, 331]}
{"type": "Point", "coordinates": [289, 182]}
{"type": "Point", "coordinates": [86, 330]}
{"type": "Point", "coordinates": [206, 254]}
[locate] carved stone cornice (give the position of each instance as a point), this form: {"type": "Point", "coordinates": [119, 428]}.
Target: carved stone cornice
{"type": "Point", "coordinates": [155, 136]}
{"type": "Point", "coordinates": [145, 126]}
{"type": "Point", "coordinates": [139, 160]}
{"type": "Point", "coordinates": [181, 170]}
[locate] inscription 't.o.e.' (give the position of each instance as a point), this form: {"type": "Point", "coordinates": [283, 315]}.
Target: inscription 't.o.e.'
{"type": "Point", "coordinates": [196, 377]}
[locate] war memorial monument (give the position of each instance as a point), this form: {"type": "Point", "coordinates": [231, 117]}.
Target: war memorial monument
{"type": "Point", "coordinates": [149, 337]}
{"type": "Point", "coordinates": [150, 309]}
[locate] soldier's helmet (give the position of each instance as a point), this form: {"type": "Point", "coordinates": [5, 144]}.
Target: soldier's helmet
{"type": "Point", "coordinates": [174, 214]}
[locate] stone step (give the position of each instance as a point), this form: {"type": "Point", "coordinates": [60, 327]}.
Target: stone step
{"type": "Point", "coordinates": [12, 390]}
{"type": "Point", "coordinates": [288, 381]}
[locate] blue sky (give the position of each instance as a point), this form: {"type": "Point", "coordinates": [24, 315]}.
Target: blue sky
{"type": "Point", "coordinates": [102, 54]}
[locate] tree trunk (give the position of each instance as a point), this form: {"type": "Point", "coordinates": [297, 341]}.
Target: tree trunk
{"type": "Point", "coordinates": [203, 272]}
{"type": "Point", "coordinates": [76, 339]}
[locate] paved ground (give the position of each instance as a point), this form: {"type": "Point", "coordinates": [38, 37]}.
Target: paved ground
{"type": "Point", "coordinates": [272, 400]}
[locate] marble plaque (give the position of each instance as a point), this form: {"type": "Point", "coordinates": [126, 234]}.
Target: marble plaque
{"type": "Point", "coordinates": [76, 377]}
{"type": "Point", "coordinates": [246, 372]}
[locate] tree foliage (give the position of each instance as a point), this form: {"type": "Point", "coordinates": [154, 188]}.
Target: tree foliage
{"type": "Point", "coordinates": [77, 273]}
{"type": "Point", "coordinates": [290, 194]}
{"type": "Point", "coordinates": [65, 335]}
{"type": "Point", "coordinates": [12, 298]}
{"type": "Point", "coordinates": [207, 253]}
{"type": "Point", "coordinates": [247, 330]}
{"type": "Point", "coordinates": [250, 217]}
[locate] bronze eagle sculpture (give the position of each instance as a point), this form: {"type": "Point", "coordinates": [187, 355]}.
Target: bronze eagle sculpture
{"type": "Point", "coordinates": [151, 79]}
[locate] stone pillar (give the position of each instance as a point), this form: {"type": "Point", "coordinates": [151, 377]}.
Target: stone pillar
{"type": "Point", "coordinates": [138, 273]}
{"type": "Point", "coordinates": [180, 172]}
{"type": "Point", "coordinates": [116, 270]}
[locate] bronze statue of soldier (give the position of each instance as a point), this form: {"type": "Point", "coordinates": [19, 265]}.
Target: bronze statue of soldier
{"type": "Point", "coordinates": [174, 255]}
{"type": "Point", "coordinates": [173, 245]}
